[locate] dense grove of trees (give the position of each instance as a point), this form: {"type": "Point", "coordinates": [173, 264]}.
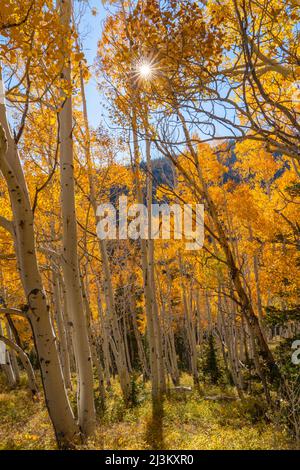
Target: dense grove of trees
{"type": "Point", "coordinates": [204, 100]}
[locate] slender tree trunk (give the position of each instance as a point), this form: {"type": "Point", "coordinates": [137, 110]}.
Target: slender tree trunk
{"type": "Point", "coordinates": [257, 285]}
{"type": "Point", "coordinates": [13, 357]}
{"type": "Point", "coordinates": [247, 308]}
{"type": "Point", "coordinates": [151, 271]}
{"type": "Point", "coordinates": [7, 367]}
{"type": "Point", "coordinates": [96, 360]}
{"type": "Point", "coordinates": [228, 341]}
{"type": "Point", "coordinates": [156, 361]}
{"type": "Point", "coordinates": [25, 362]}
{"type": "Point", "coordinates": [68, 325]}
{"type": "Point", "coordinates": [137, 334]}
{"type": "Point", "coordinates": [63, 345]}
{"type": "Point", "coordinates": [189, 329]}
{"type": "Point", "coordinates": [104, 338]}
{"type": "Point", "coordinates": [170, 349]}
{"type": "Point", "coordinates": [118, 339]}
{"type": "Point", "coordinates": [86, 407]}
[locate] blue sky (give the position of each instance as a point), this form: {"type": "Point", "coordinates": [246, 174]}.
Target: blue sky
{"type": "Point", "coordinates": [91, 27]}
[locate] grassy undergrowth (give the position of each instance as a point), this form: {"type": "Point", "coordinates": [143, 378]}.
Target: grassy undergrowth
{"type": "Point", "coordinates": [189, 422]}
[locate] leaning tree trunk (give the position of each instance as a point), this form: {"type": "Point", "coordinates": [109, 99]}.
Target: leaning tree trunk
{"type": "Point", "coordinates": [13, 357]}
{"type": "Point", "coordinates": [25, 362]}
{"type": "Point", "coordinates": [38, 312]}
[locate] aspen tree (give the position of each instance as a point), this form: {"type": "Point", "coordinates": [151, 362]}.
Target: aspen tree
{"type": "Point", "coordinates": [247, 308]}
{"type": "Point", "coordinates": [189, 326]}
{"type": "Point", "coordinates": [118, 339]}
{"type": "Point", "coordinates": [151, 267]}
{"type": "Point", "coordinates": [86, 406]}
{"type": "Point", "coordinates": [61, 326]}
{"type": "Point", "coordinates": [156, 360]}
{"type": "Point", "coordinates": [22, 230]}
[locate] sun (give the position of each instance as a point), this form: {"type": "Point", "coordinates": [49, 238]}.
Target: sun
{"type": "Point", "coordinates": [145, 70]}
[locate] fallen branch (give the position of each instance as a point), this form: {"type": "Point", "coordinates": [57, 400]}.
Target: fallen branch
{"type": "Point", "coordinates": [221, 398]}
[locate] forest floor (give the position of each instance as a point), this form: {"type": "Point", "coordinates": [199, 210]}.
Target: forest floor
{"type": "Point", "coordinates": [190, 422]}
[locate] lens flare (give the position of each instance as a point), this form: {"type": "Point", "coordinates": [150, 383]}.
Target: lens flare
{"type": "Point", "coordinates": [145, 70]}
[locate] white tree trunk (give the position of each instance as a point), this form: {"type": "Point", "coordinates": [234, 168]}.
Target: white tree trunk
{"type": "Point", "coordinates": [63, 345]}
{"type": "Point", "coordinates": [86, 407]}
{"type": "Point", "coordinates": [156, 360]}
{"type": "Point", "coordinates": [118, 345]}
